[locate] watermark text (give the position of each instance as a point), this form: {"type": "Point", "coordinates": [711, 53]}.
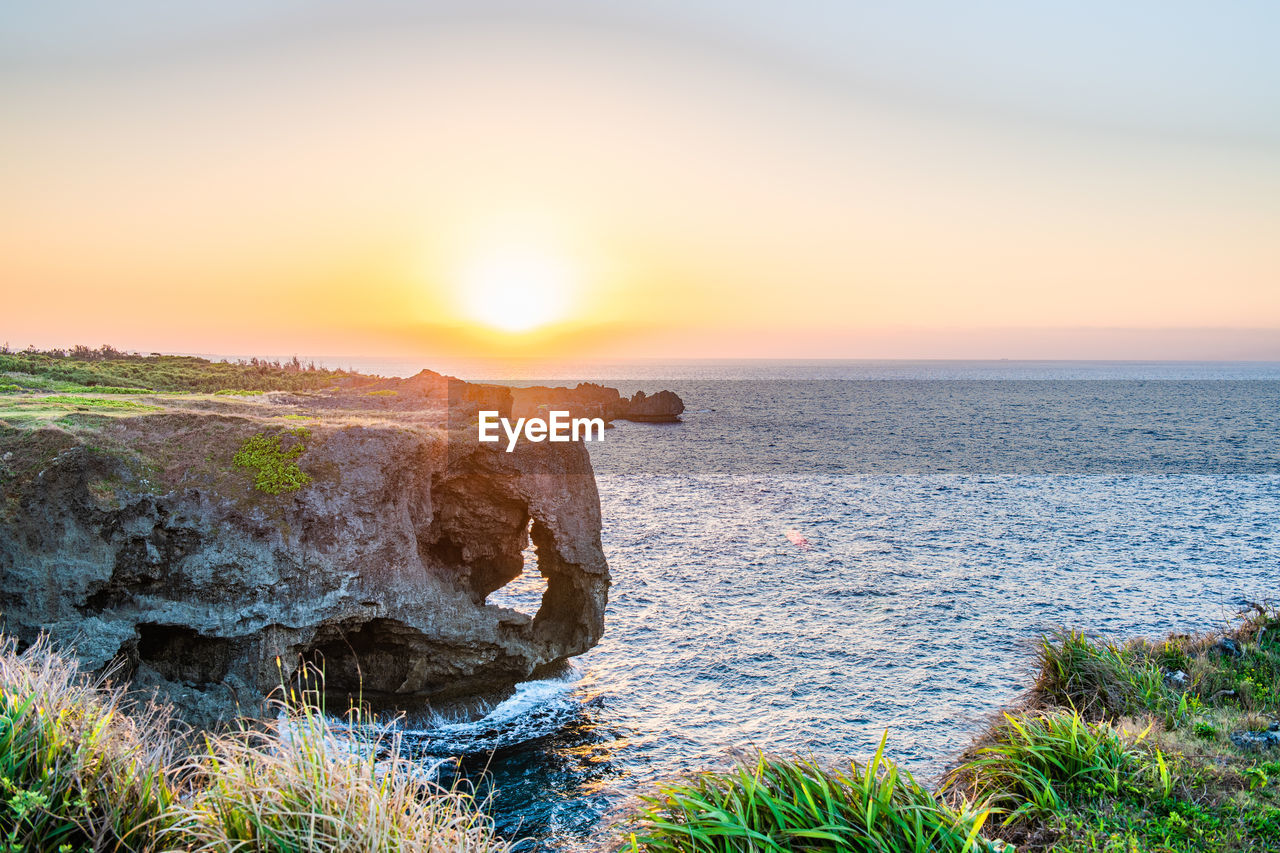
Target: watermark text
{"type": "Point", "coordinates": [557, 426]}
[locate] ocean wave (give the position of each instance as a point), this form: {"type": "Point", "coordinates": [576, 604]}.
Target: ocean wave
{"type": "Point", "coordinates": [535, 710]}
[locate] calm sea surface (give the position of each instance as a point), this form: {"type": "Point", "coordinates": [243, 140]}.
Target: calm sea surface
{"type": "Point", "coordinates": [826, 550]}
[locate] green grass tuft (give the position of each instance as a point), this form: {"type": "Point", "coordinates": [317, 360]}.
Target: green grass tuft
{"type": "Point", "coordinates": [275, 466]}
{"type": "Point", "coordinates": [1099, 679]}
{"type": "Point", "coordinates": [1040, 762]}
{"type": "Point", "coordinates": [782, 805]}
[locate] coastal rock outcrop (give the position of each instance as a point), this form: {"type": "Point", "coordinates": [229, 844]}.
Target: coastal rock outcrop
{"type": "Point", "coordinates": [588, 399]}
{"type": "Point", "coordinates": [662, 407]}
{"type": "Point", "coordinates": [137, 540]}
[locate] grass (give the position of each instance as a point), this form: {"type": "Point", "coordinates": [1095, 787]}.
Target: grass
{"type": "Point", "coordinates": [299, 787]}
{"type": "Point", "coordinates": [83, 769]}
{"type": "Point", "coordinates": [18, 381]}
{"type": "Point", "coordinates": [95, 403]}
{"type": "Point", "coordinates": [1122, 747]}
{"type": "Point", "coordinates": [1101, 759]}
{"type": "Point", "coordinates": [1126, 746]}
{"type": "Point", "coordinates": [33, 409]}
{"type": "Point", "coordinates": [274, 466]}
{"type": "Point", "coordinates": [1036, 763]}
{"type": "Point", "coordinates": [79, 767]}
{"type": "Point", "coordinates": [781, 805]}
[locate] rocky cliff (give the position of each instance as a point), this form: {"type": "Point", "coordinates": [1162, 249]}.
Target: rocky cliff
{"type": "Point", "coordinates": [142, 535]}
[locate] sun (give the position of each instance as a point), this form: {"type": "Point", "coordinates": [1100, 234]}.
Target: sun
{"type": "Point", "coordinates": [516, 288]}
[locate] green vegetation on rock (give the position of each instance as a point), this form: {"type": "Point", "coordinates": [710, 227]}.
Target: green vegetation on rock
{"type": "Point", "coordinates": [95, 403]}
{"type": "Point", "coordinates": [275, 466]}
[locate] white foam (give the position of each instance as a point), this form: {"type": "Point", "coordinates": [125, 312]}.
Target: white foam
{"type": "Point", "coordinates": [536, 709]}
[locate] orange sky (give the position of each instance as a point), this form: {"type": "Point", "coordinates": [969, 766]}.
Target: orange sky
{"type": "Point", "coordinates": [337, 193]}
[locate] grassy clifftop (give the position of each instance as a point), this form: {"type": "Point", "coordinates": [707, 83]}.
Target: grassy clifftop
{"type": "Point", "coordinates": [81, 368]}
{"type": "Point", "coordinates": [184, 421]}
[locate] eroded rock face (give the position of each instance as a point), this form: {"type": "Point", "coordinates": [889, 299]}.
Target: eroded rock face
{"type": "Point", "coordinates": [165, 557]}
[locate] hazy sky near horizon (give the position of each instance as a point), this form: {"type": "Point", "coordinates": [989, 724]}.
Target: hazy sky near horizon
{"type": "Point", "coordinates": [683, 179]}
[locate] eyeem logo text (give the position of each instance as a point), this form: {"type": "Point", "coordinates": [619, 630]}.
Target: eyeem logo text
{"type": "Point", "coordinates": [557, 427]}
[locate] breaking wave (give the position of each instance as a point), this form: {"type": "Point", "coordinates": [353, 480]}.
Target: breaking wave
{"type": "Point", "coordinates": [536, 709]}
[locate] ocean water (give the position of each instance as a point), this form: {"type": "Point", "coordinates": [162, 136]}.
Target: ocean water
{"type": "Point", "coordinates": [825, 551]}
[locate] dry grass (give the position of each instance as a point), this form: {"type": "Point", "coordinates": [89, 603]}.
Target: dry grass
{"type": "Point", "coordinates": [79, 766]}
{"type": "Point", "coordinates": [83, 769]}
{"type": "Point", "coordinates": [298, 786]}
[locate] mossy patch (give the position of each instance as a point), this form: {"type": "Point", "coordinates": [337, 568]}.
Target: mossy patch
{"type": "Point", "coordinates": [97, 403]}
{"type": "Point", "coordinates": [30, 408]}
{"type": "Point", "coordinates": [275, 465]}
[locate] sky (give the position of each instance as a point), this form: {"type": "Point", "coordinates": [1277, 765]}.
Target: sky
{"type": "Point", "coordinates": [643, 180]}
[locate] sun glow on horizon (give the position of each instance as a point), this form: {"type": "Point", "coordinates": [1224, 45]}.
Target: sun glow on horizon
{"type": "Point", "coordinates": [516, 288]}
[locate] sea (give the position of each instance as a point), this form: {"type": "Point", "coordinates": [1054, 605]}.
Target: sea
{"type": "Point", "coordinates": [825, 553]}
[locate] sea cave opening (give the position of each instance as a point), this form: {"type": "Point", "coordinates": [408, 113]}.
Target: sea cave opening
{"type": "Point", "coordinates": [524, 592]}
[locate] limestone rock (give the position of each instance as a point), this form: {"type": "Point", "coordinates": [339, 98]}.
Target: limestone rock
{"type": "Point", "coordinates": [142, 543]}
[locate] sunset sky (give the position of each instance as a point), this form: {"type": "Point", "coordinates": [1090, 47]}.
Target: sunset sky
{"type": "Point", "coordinates": [660, 179]}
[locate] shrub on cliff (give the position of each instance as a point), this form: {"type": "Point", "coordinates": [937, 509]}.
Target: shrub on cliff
{"type": "Point", "coordinates": [77, 770]}
{"type": "Point", "coordinates": [275, 466]}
